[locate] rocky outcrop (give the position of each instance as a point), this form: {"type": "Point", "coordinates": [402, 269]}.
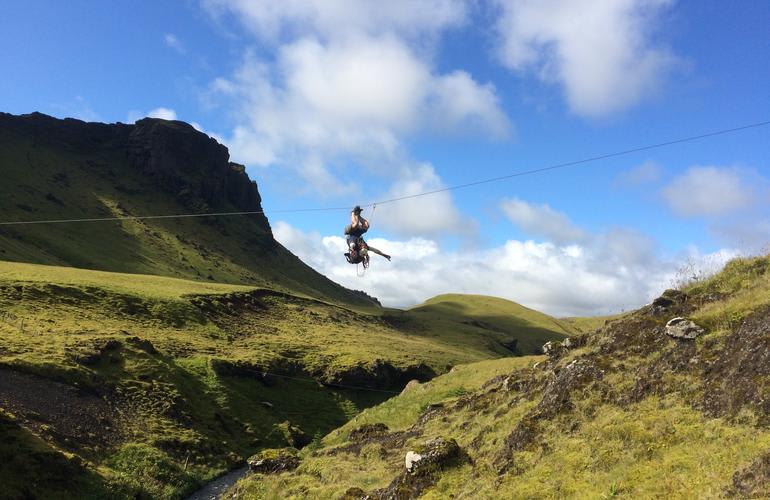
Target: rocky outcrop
{"type": "Point", "coordinates": [368, 431]}
{"type": "Point", "coordinates": [190, 165]}
{"type": "Point", "coordinates": [378, 374]}
{"type": "Point", "coordinates": [422, 468]}
{"type": "Point", "coordinates": [274, 461]}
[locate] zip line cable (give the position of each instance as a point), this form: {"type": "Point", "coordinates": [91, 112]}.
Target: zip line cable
{"type": "Point", "coordinates": [408, 197]}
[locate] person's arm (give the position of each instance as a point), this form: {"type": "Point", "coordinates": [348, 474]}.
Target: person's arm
{"type": "Point", "coordinates": [353, 219]}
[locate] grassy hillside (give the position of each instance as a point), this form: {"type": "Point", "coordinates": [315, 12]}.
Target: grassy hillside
{"type": "Point", "coordinates": [626, 411]}
{"type": "Point", "coordinates": [524, 330]}
{"type": "Point", "coordinates": [67, 169]}
{"type": "Point", "coordinates": [161, 383]}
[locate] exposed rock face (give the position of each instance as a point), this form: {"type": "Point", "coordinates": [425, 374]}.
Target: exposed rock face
{"type": "Point", "coordinates": [378, 374]}
{"type": "Point", "coordinates": [682, 328]}
{"type": "Point", "coordinates": [173, 155]}
{"type": "Point", "coordinates": [190, 165]}
{"type": "Point", "coordinates": [274, 461]}
{"type": "Point", "coordinates": [738, 377]}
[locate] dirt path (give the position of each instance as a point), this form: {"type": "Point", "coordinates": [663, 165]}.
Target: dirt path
{"type": "Point", "coordinates": [215, 489]}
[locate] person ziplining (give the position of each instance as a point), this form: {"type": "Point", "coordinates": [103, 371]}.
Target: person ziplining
{"type": "Point", "coordinates": [358, 249]}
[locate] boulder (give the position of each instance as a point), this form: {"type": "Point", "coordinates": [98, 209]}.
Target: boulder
{"type": "Point", "coordinates": [274, 461]}
{"type": "Point", "coordinates": [682, 328]}
{"type": "Point", "coordinates": [411, 460]}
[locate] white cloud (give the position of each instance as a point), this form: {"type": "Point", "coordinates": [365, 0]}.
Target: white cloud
{"type": "Point", "coordinates": [425, 215]}
{"type": "Point", "coordinates": [328, 19]}
{"type": "Point", "coordinates": [174, 42]}
{"type": "Point", "coordinates": [709, 191]}
{"type": "Point", "coordinates": [601, 52]}
{"type": "Point", "coordinates": [162, 113]}
{"type": "Point", "coordinates": [338, 102]}
{"type": "Point", "coordinates": [593, 278]}
{"type": "Point", "coordinates": [542, 220]}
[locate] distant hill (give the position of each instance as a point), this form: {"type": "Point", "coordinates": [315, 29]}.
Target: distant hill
{"type": "Point", "coordinates": [69, 169]}
{"type": "Point", "coordinates": [520, 329]}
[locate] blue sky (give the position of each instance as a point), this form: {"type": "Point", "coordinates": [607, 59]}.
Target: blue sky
{"type": "Point", "coordinates": [337, 102]}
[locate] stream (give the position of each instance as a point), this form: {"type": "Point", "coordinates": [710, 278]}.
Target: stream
{"type": "Point", "coordinates": [214, 489]}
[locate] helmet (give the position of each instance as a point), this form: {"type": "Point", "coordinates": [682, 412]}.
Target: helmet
{"type": "Point", "coordinates": [357, 209]}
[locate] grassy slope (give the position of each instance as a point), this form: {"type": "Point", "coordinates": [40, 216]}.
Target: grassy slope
{"type": "Point", "coordinates": [529, 329]}
{"type": "Point", "coordinates": [48, 180]}
{"type": "Point", "coordinates": [173, 405]}
{"type": "Point", "coordinates": [637, 431]}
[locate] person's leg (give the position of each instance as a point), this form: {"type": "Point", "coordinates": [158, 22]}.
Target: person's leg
{"type": "Point", "coordinates": [378, 252]}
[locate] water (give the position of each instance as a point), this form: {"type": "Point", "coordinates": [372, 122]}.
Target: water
{"type": "Point", "coordinates": [215, 489]}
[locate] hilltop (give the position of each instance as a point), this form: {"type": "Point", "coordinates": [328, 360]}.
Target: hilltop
{"type": "Point", "coordinates": [69, 169]}
{"type": "Point", "coordinates": [631, 409]}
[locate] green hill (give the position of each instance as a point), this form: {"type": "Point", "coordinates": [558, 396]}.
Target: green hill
{"type": "Point", "coordinates": [625, 411]}
{"type": "Point", "coordinates": [519, 329]}
{"type": "Point", "coordinates": [68, 169]}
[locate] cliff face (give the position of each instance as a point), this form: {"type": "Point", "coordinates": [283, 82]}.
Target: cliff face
{"type": "Point", "coordinates": [190, 165]}
{"type": "Point", "coordinates": [69, 169]}
{"type": "Point", "coordinates": [175, 157]}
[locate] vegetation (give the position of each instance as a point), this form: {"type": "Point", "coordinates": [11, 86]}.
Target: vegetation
{"type": "Point", "coordinates": [175, 381]}
{"type": "Point", "coordinates": [625, 412]}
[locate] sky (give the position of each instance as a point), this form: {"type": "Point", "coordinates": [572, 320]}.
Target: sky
{"type": "Point", "coordinates": [333, 103]}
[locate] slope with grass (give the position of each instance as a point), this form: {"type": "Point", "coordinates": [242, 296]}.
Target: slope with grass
{"type": "Point", "coordinates": [625, 411]}
{"type": "Point", "coordinates": [522, 330]}
{"type": "Point", "coordinates": [159, 384]}
{"type": "Point", "coordinates": [68, 169]}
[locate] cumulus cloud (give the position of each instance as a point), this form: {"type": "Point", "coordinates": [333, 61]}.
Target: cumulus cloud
{"type": "Point", "coordinates": [342, 99]}
{"type": "Point", "coordinates": [709, 191]}
{"type": "Point", "coordinates": [563, 280]}
{"type": "Point", "coordinates": [269, 20]}
{"type": "Point", "coordinates": [542, 220]}
{"type": "Point", "coordinates": [424, 215]}
{"type": "Point", "coordinates": [338, 102]}
{"type": "Point", "coordinates": [600, 52]}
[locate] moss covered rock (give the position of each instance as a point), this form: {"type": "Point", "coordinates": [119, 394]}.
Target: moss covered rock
{"type": "Point", "coordinates": [274, 460]}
